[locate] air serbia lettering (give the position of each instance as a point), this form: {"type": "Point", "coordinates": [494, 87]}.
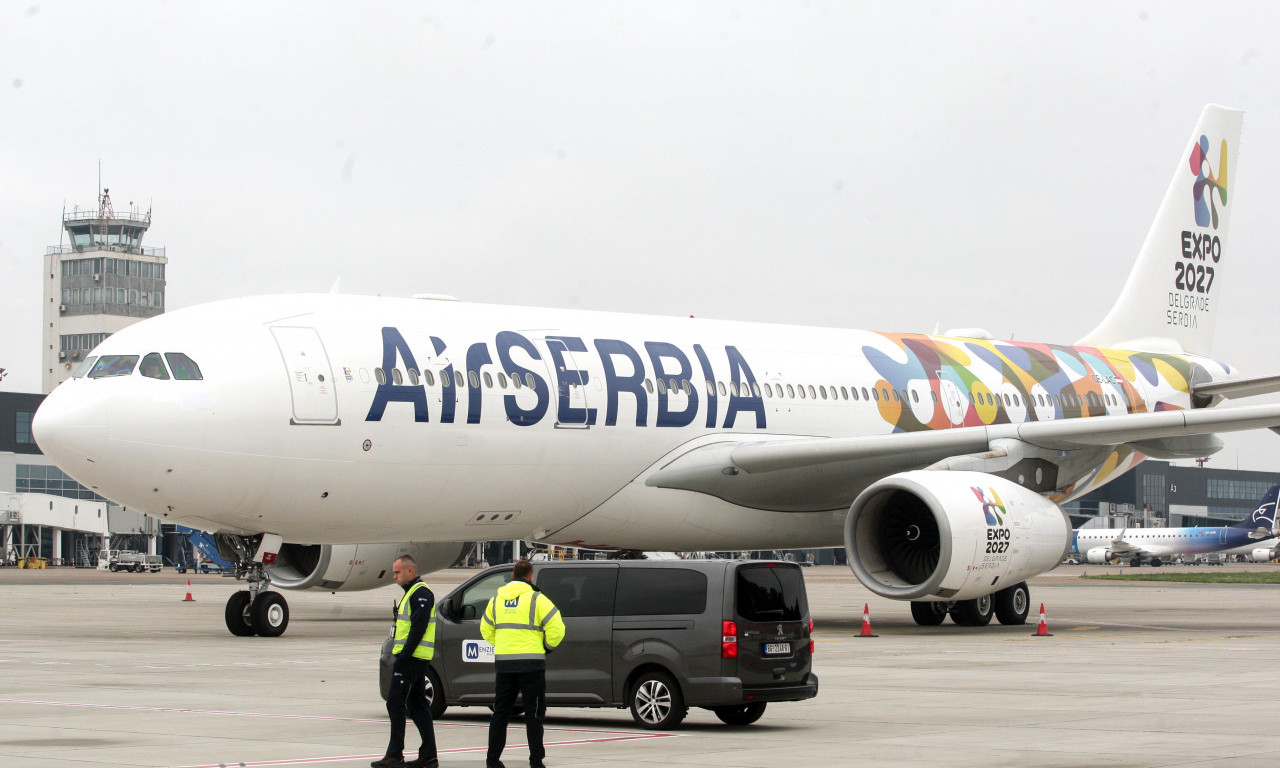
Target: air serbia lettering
{"type": "Point", "coordinates": [623, 367]}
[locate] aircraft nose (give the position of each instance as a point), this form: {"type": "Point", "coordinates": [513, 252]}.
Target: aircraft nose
{"type": "Point", "coordinates": [69, 428]}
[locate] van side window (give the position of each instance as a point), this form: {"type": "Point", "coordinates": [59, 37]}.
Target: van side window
{"type": "Point", "coordinates": [476, 597]}
{"type": "Point", "coordinates": [768, 594]}
{"type": "Point", "coordinates": [580, 591]}
{"type": "Point", "coordinates": [657, 591]}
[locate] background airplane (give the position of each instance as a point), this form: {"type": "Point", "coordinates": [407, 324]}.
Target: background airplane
{"type": "Point", "coordinates": [318, 435]}
{"type": "Point", "coordinates": [1256, 534]}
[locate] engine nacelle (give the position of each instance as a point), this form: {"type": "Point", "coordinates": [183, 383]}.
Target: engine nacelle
{"type": "Point", "coordinates": [1263, 554]}
{"type": "Point", "coordinates": [951, 535]}
{"type": "Point", "coordinates": [353, 567]}
{"type": "Point", "coordinates": [1098, 556]}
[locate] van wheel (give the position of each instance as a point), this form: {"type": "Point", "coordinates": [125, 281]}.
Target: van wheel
{"type": "Point", "coordinates": [656, 702]}
{"type": "Point", "coordinates": [435, 694]}
{"type": "Point", "coordinates": [740, 714]}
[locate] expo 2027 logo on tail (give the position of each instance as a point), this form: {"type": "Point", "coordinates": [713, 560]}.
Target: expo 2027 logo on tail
{"type": "Point", "coordinates": [993, 508]}
{"type": "Point", "coordinates": [1208, 182]}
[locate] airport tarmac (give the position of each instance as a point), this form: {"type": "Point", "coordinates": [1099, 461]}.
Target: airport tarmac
{"type": "Point", "coordinates": [100, 669]}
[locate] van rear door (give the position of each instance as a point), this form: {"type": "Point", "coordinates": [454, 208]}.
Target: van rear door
{"type": "Point", "coordinates": [771, 610]}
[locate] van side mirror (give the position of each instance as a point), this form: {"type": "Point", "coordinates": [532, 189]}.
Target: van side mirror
{"type": "Point", "coordinates": [448, 609]}
{"type": "Point", "coordinates": [469, 612]}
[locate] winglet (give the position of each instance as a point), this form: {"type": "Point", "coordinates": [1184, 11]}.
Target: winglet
{"type": "Point", "coordinates": [1171, 299]}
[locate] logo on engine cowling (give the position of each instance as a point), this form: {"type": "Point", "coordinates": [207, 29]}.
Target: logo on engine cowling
{"type": "Point", "coordinates": [994, 510]}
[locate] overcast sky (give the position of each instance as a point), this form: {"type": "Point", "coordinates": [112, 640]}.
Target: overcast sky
{"type": "Point", "coordinates": [893, 166]}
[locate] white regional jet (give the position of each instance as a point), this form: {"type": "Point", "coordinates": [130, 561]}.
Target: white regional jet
{"type": "Point", "coordinates": [317, 435]}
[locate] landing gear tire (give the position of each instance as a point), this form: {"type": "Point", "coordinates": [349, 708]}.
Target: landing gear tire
{"type": "Point", "coordinates": [973, 613]}
{"type": "Point", "coordinates": [1135, 562]}
{"type": "Point", "coordinates": [741, 714]}
{"type": "Point", "coordinates": [1156, 562]}
{"type": "Point", "coordinates": [270, 614]}
{"type": "Point", "coordinates": [1013, 604]}
{"type": "Point", "coordinates": [928, 613]}
{"type": "Point", "coordinates": [237, 614]}
{"type": "Point", "coordinates": [656, 702]}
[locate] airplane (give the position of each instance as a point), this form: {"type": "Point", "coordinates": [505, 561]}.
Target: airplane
{"type": "Point", "coordinates": [1257, 533]}
{"type": "Point", "coordinates": [319, 435]}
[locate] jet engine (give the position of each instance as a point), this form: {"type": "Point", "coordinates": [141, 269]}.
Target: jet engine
{"type": "Point", "coordinates": [353, 567]}
{"type": "Point", "coordinates": [943, 535]}
{"type": "Point", "coordinates": [1098, 556]}
{"type": "Point", "coordinates": [1264, 554]}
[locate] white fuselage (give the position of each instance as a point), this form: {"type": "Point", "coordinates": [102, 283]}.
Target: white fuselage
{"type": "Point", "coordinates": [289, 430]}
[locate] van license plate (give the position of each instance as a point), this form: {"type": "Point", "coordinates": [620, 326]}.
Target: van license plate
{"type": "Point", "coordinates": [777, 649]}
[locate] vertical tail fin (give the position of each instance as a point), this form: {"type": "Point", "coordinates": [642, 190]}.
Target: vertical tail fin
{"type": "Point", "coordinates": [1170, 301]}
{"type": "Point", "coordinates": [1262, 523]}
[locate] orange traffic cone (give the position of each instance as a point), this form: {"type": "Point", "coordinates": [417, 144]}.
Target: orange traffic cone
{"type": "Point", "coordinates": [866, 622]}
{"type": "Point", "coordinates": [188, 598]}
{"type": "Point", "coordinates": [1043, 629]}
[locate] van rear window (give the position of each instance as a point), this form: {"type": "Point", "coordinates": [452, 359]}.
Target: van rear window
{"type": "Point", "coordinates": [658, 591]}
{"type": "Point", "coordinates": [771, 594]}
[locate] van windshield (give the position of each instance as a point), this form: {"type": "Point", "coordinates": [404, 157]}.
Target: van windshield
{"type": "Point", "coordinates": [770, 593]}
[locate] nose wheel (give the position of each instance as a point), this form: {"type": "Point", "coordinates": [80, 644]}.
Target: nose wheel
{"type": "Point", "coordinates": [253, 611]}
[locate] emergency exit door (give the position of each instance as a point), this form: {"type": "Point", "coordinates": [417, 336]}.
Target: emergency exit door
{"type": "Point", "coordinates": [311, 384]}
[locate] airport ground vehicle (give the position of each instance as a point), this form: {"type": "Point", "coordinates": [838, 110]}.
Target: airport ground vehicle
{"type": "Point", "coordinates": [653, 636]}
{"type": "Point", "coordinates": [127, 560]}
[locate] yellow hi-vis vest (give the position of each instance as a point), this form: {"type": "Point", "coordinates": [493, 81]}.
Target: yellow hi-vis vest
{"type": "Point", "coordinates": [427, 645]}
{"type": "Point", "coordinates": [521, 623]}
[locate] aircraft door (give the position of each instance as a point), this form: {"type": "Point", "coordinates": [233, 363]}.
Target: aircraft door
{"type": "Point", "coordinates": [311, 383]}
{"type": "Point", "coordinates": [567, 386]}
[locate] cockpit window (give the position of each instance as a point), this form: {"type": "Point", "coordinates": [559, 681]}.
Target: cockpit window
{"type": "Point", "coordinates": [153, 367]}
{"type": "Point", "coordinates": [85, 367]}
{"type": "Point", "coordinates": [113, 365]}
{"type": "Point", "coordinates": [184, 368]}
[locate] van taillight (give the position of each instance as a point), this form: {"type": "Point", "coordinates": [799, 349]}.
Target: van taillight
{"type": "Point", "coordinates": [728, 640]}
{"type": "Point", "coordinates": [810, 637]}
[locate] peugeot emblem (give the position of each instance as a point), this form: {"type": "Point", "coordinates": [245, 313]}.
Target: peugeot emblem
{"type": "Point", "coordinates": [779, 629]}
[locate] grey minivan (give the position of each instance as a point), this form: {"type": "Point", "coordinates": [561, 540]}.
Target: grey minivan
{"type": "Point", "coordinates": [656, 637]}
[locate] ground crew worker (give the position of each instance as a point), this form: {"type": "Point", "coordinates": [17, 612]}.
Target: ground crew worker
{"type": "Point", "coordinates": [523, 625]}
{"type": "Point", "coordinates": [415, 644]}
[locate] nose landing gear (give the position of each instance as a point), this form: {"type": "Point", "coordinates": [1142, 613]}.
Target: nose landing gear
{"type": "Point", "coordinates": [252, 611]}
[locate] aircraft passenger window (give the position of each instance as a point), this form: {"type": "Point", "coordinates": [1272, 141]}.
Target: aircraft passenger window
{"type": "Point", "coordinates": [711, 388]}
{"type": "Point", "coordinates": [813, 395]}
{"type": "Point", "coordinates": [488, 380]}
{"type": "Point", "coordinates": [855, 392]}
{"type": "Point", "coordinates": [515, 381]}
{"type": "Point", "coordinates": [915, 396]}
{"type": "Point", "coordinates": [686, 386]}
{"type": "Point", "coordinates": [473, 379]}
{"type": "Point", "coordinates": [1006, 401]}
{"type": "Point", "coordinates": [768, 389]}
{"type": "Point", "coordinates": [429, 377]}
{"type": "Point", "coordinates": [153, 367]}
{"type": "Point", "coordinates": [791, 392]}
{"type": "Point", "coordinates": [528, 379]}
{"type": "Point", "coordinates": [379, 376]}
{"type": "Point", "coordinates": [755, 389]}
{"type": "Point", "coordinates": [800, 389]}
{"type": "Point", "coordinates": [648, 386]}
{"type": "Point", "coordinates": [662, 386]}
{"type": "Point", "coordinates": [895, 396]}
{"type": "Point", "coordinates": [722, 389]}
{"type": "Point", "coordinates": [397, 378]}
{"type": "Point", "coordinates": [183, 367]}
{"type": "Point", "coordinates": [85, 367]}
{"type": "Point", "coordinates": [875, 394]}
{"type": "Point", "coordinates": [502, 380]}
{"type": "Point", "coordinates": [822, 390]}
{"type": "Point", "coordinates": [113, 365]}
{"type": "Point", "coordinates": [885, 393]}
{"type": "Point", "coordinates": [413, 376]}
{"type": "Point", "coordinates": [844, 393]}
{"type": "Point", "coordinates": [458, 381]}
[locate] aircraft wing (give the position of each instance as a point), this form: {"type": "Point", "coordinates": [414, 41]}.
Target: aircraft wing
{"type": "Point", "coordinates": [819, 473]}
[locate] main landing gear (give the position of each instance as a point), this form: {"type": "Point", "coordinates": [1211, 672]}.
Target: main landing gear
{"type": "Point", "coordinates": [252, 611]}
{"type": "Point", "coordinates": [1010, 606]}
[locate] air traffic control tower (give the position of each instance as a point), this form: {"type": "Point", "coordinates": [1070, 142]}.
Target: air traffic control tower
{"type": "Point", "coordinates": [100, 283]}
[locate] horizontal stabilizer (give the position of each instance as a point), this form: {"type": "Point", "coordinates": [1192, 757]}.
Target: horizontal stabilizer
{"type": "Point", "coordinates": [1258, 385]}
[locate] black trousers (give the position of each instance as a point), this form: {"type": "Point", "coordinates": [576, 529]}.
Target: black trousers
{"type": "Point", "coordinates": [407, 698]}
{"type": "Point", "coordinates": [531, 684]}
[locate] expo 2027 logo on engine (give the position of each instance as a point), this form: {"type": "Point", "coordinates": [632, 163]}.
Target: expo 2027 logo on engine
{"type": "Point", "coordinates": [993, 509]}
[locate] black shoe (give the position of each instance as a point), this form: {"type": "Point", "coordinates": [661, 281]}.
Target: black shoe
{"type": "Point", "coordinates": [388, 762]}
{"type": "Point", "coordinates": [420, 763]}
{"type": "Point", "coordinates": [494, 764]}
{"type": "Point", "coordinates": [537, 765]}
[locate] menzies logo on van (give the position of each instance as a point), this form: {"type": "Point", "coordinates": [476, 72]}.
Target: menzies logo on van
{"type": "Point", "coordinates": [477, 652]}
